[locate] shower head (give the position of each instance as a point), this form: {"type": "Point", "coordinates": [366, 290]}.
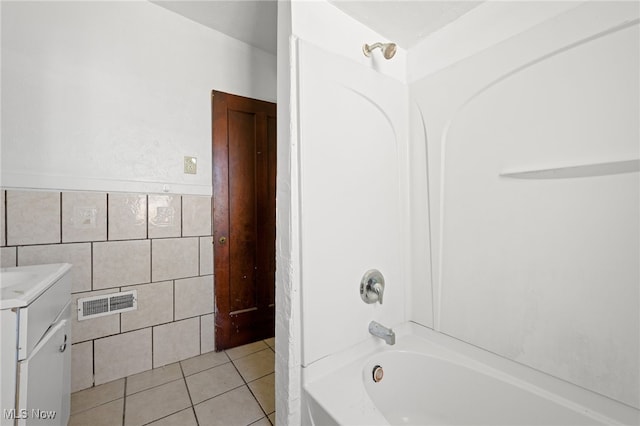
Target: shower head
{"type": "Point", "coordinates": [388, 49]}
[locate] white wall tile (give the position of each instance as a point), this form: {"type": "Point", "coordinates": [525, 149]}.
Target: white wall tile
{"type": "Point", "coordinates": [79, 255]}
{"type": "Point", "coordinates": [194, 296]}
{"type": "Point", "coordinates": [121, 263]}
{"type": "Point", "coordinates": [207, 337]}
{"type": "Point", "coordinates": [84, 216]}
{"type": "Point", "coordinates": [81, 366]}
{"type": "Point", "coordinates": [206, 255]}
{"type": "Point", "coordinates": [174, 258]}
{"type": "Point", "coordinates": [196, 215]}
{"type": "Point", "coordinates": [127, 216]}
{"type": "Point", "coordinates": [94, 327]}
{"type": "Point", "coordinates": [122, 355]}
{"type": "Point", "coordinates": [176, 341]}
{"type": "Point", "coordinates": [3, 235]}
{"type": "Point", "coordinates": [33, 217]}
{"type": "Point", "coordinates": [155, 306]}
{"type": "Point", "coordinates": [165, 216]}
{"type": "Point", "coordinates": [8, 257]}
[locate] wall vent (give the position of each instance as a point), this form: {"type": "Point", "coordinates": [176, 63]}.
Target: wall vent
{"type": "Point", "coordinates": [107, 304]}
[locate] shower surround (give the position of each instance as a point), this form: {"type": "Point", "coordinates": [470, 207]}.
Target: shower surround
{"type": "Point", "coordinates": [401, 169]}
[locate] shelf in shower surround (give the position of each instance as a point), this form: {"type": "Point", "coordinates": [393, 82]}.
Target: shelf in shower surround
{"type": "Point", "coordinates": [585, 170]}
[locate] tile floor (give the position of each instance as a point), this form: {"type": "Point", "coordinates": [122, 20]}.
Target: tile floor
{"type": "Point", "coordinates": [233, 387]}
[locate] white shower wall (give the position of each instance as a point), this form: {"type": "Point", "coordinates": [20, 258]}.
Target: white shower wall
{"type": "Point", "coordinates": [541, 272]}
{"type": "Point", "coordinates": [353, 183]}
{"type": "Point", "coordinates": [544, 272]}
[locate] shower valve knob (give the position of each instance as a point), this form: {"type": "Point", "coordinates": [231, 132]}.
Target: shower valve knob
{"type": "Point", "coordinates": [372, 286]}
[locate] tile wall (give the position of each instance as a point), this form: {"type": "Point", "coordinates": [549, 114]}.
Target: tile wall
{"type": "Point", "coordinates": [159, 245]}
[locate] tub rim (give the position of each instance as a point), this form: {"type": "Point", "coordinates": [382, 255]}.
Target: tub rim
{"type": "Point", "coordinates": [413, 337]}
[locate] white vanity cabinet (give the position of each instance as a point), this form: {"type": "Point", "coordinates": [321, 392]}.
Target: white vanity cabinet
{"type": "Point", "coordinates": [36, 345]}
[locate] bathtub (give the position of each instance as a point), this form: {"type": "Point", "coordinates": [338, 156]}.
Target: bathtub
{"type": "Point", "coordinates": [432, 379]}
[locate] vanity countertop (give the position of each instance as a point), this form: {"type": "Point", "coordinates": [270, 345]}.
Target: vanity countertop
{"type": "Point", "coordinates": [19, 286]}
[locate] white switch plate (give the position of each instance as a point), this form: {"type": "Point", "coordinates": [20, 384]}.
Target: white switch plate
{"type": "Point", "coordinates": [190, 165]}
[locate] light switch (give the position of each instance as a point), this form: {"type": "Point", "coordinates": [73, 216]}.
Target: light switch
{"type": "Point", "coordinates": [190, 165]}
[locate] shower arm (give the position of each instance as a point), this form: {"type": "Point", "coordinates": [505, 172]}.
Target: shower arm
{"type": "Point", "coordinates": [388, 49]}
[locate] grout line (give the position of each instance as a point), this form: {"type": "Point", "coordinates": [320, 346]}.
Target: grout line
{"type": "Point", "coordinates": [6, 225]}
{"type": "Point", "coordinates": [261, 418]}
{"type": "Point", "coordinates": [152, 345]}
{"type": "Point", "coordinates": [249, 388]}
{"type": "Point", "coordinates": [146, 197]}
{"type": "Point", "coordinates": [93, 361]}
{"type": "Point", "coordinates": [249, 354]}
{"type": "Point", "coordinates": [206, 369]}
{"type": "Point", "coordinates": [150, 259]}
{"type": "Point", "coordinates": [107, 217]}
{"type": "Point", "coordinates": [155, 386]}
{"type": "Point", "coordinates": [225, 392]}
{"type": "Point", "coordinates": [193, 409]}
{"type": "Point", "coordinates": [240, 374]}
{"type": "Point", "coordinates": [168, 415]}
{"type": "Point", "coordinates": [91, 265]}
{"type": "Point", "coordinates": [94, 407]}
{"type": "Point", "coordinates": [61, 218]}
{"type": "Point", "coordinates": [258, 402]}
{"type": "Point", "coordinates": [124, 402]}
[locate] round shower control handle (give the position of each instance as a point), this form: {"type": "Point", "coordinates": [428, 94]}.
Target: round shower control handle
{"type": "Point", "coordinates": [372, 286]}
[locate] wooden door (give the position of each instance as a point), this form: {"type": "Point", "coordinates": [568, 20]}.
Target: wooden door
{"type": "Point", "coordinates": [244, 218]}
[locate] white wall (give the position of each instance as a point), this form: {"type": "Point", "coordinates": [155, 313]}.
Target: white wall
{"type": "Point", "coordinates": [352, 135]}
{"type": "Point", "coordinates": [544, 272]}
{"type": "Point", "coordinates": [288, 327]}
{"type": "Point", "coordinates": [111, 96]}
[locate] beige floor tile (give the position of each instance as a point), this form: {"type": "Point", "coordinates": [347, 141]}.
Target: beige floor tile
{"type": "Point", "coordinates": [234, 408]}
{"type": "Point", "coordinates": [272, 418]}
{"type": "Point", "coordinates": [264, 391]}
{"type": "Point", "coordinates": [109, 414]}
{"type": "Point", "coordinates": [203, 362]}
{"type": "Point", "coordinates": [212, 382]}
{"type": "Point", "coordinates": [152, 378]}
{"type": "Point", "coordinates": [244, 350]}
{"type": "Point", "coordinates": [93, 397]}
{"type": "Point", "coordinates": [262, 422]}
{"type": "Point", "coordinates": [181, 418]}
{"type": "Point", "coordinates": [155, 403]}
{"type": "Point", "coordinates": [271, 342]}
{"type": "Point", "coordinates": [256, 365]}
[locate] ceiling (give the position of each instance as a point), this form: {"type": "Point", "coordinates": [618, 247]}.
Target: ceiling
{"type": "Point", "coordinates": [252, 21]}
{"type": "Point", "coordinates": [404, 22]}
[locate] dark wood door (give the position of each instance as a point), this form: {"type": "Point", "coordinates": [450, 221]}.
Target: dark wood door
{"type": "Point", "coordinates": [244, 218]}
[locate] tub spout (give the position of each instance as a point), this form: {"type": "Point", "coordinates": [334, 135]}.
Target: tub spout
{"type": "Point", "coordinates": [386, 334]}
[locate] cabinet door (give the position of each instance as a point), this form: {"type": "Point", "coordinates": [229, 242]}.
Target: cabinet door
{"type": "Point", "coordinates": [43, 382]}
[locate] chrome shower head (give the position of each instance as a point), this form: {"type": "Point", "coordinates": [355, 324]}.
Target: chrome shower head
{"type": "Point", "coordinates": [388, 49]}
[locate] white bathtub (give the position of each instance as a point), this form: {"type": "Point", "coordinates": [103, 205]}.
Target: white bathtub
{"type": "Point", "coordinates": [432, 379]}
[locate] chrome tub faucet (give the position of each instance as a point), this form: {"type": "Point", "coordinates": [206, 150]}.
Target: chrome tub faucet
{"type": "Point", "coordinates": [386, 334]}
